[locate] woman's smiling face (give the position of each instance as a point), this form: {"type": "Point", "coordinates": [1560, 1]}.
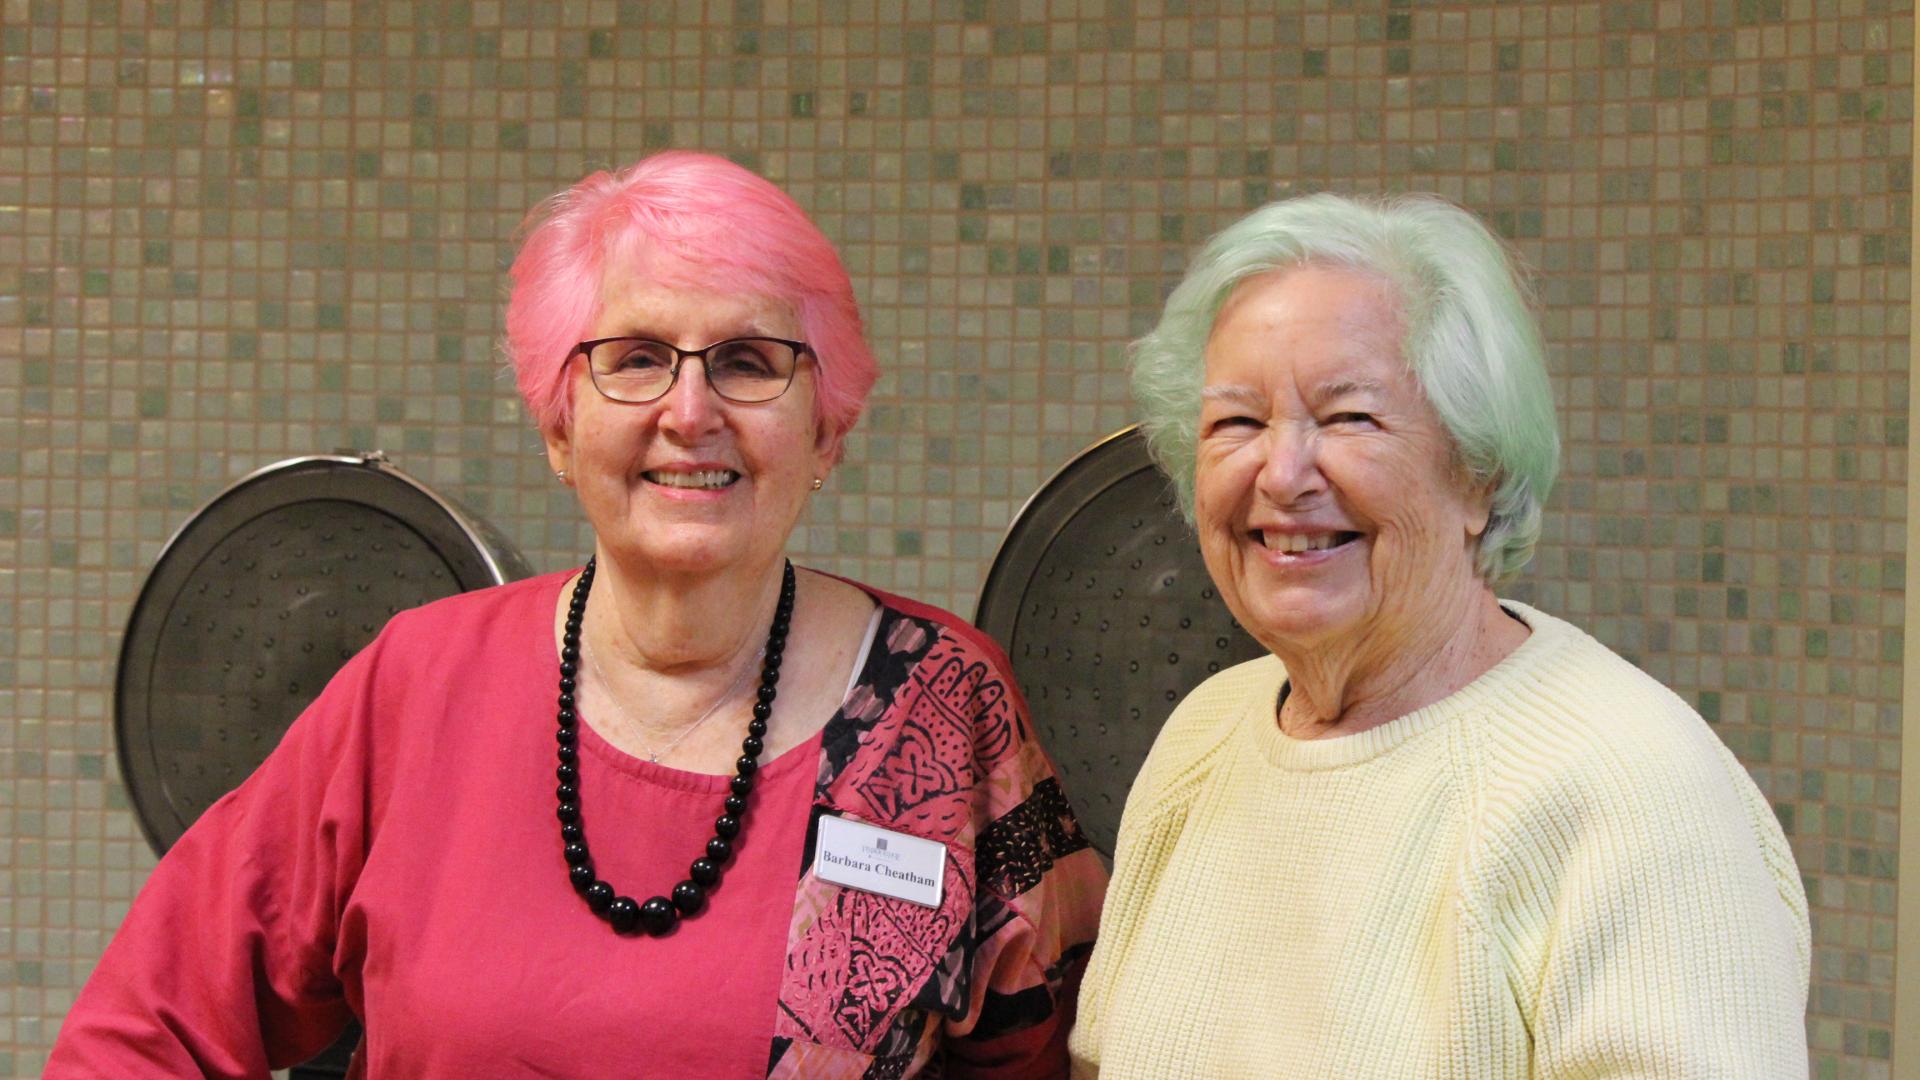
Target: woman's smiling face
{"type": "Point", "coordinates": [691, 482]}
{"type": "Point", "coordinates": [1330, 509]}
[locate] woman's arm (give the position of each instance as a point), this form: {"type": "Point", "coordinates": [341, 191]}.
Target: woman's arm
{"type": "Point", "coordinates": [226, 964]}
{"type": "Point", "coordinates": [1036, 907]}
{"type": "Point", "coordinates": [1655, 925]}
{"type": "Point", "coordinates": [1039, 905]}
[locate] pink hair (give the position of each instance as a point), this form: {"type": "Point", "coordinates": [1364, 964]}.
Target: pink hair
{"type": "Point", "coordinates": [692, 221]}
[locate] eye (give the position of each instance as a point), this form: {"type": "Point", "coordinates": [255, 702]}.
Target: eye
{"type": "Point", "coordinates": [1233, 421]}
{"type": "Point", "coordinates": [1344, 418]}
{"type": "Point", "coordinates": [746, 358]}
{"type": "Point", "coordinates": [633, 357]}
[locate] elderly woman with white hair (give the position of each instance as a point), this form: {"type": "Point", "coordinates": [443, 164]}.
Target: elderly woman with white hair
{"type": "Point", "coordinates": [1435, 833]}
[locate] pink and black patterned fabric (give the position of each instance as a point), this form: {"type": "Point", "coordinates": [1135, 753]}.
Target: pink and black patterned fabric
{"type": "Point", "coordinates": [936, 742]}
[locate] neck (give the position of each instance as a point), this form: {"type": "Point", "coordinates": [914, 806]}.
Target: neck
{"type": "Point", "coordinates": [1346, 687]}
{"type": "Point", "coordinates": [700, 626]}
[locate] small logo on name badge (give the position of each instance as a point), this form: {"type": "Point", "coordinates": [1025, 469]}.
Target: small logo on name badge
{"type": "Point", "coordinates": [881, 843]}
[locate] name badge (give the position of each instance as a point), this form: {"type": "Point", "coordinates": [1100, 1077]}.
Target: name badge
{"type": "Point", "coordinates": [871, 859]}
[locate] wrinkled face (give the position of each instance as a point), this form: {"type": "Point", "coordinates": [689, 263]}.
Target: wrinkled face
{"type": "Point", "coordinates": [1329, 508]}
{"type": "Point", "coordinates": [691, 482]}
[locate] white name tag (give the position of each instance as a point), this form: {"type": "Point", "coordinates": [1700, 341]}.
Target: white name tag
{"type": "Point", "coordinates": [867, 857]}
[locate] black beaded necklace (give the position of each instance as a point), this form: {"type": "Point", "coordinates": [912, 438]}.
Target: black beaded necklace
{"type": "Point", "coordinates": [659, 915]}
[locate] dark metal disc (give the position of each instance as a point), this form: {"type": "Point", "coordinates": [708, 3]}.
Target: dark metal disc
{"type": "Point", "coordinates": [1101, 599]}
{"type": "Point", "coordinates": [256, 602]}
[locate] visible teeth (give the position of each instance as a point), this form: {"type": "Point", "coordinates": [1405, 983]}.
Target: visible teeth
{"type": "Point", "coordinates": [1295, 543]}
{"type": "Point", "coordinates": [704, 478]}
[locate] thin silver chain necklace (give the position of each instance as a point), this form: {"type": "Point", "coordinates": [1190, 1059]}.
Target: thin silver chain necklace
{"type": "Point", "coordinates": [606, 685]}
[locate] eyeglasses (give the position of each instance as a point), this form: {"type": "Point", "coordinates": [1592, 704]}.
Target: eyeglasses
{"type": "Point", "coordinates": [746, 370]}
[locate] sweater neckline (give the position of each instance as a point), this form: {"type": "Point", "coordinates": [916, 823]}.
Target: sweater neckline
{"type": "Point", "coordinates": [1281, 750]}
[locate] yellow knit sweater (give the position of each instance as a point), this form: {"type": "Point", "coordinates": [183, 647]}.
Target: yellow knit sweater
{"type": "Point", "coordinates": [1558, 871]}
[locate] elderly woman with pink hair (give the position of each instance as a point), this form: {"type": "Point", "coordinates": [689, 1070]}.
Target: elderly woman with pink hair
{"type": "Point", "coordinates": [687, 811]}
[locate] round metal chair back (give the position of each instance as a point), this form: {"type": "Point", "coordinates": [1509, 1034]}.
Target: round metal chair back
{"type": "Point", "coordinates": [1100, 597]}
{"type": "Point", "coordinates": [254, 604]}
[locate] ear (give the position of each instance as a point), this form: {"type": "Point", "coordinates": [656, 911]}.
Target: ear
{"type": "Point", "coordinates": [1479, 508]}
{"type": "Point", "coordinates": [829, 443]}
{"type": "Point", "coordinates": [559, 449]}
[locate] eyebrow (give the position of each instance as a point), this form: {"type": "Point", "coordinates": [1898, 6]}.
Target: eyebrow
{"type": "Point", "coordinates": [1234, 394]}
{"type": "Point", "coordinates": [1243, 395]}
{"type": "Point", "coordinates": [1340, 388]}
{"type": "Point", "coordinates": [748, 329]}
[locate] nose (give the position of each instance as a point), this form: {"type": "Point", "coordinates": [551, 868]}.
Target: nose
{"type": "Point", "coordinates": [1290, 473]}
{"type": "Point", "coordinates": [690, 407]}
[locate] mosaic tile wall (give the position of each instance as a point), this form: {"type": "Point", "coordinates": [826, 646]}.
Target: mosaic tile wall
{"type": "Point", "coordinates": [234, 232]}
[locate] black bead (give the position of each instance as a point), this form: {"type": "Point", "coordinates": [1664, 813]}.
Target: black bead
{"type": "Point", "coordinates": [745, 765]}
{"type": "Point", "coordinates": [752, 746]}
{"type": "Point", "coordinates": [726, 826]}
{"type": "Point", "coordinates": [736, 805]}
{"type": "Point", "coordinates": [689, 898]}
{"type": "Point", "coordinates": [599, 895]}
{"type": "Point", "coordinates": [572, 833]}
{"type": "Point", "coordinates": [576, 854]}
{"type": "Point", "coordinates": [566, 685]}
{"type": "Point", "coordinates": [567, 793]}
{"type": "Point", "coordinates": [567, 812]}
{"type": "Point", "coordinates": [719, 849]}
{"type": "Point", "coordinates": [566, 736]}
{"type": "Point", "coordinates": [766, 693]}
{"type": "Point", "coordinates": [568, 668]}
{"type": "Point", "coordinates": [657, 916]}
{"type": "Point", "coordinates": [567, 774]}
{"type": "Point", "coordinates": [741, 785]}
{"type": "Point", "coordinates": [761, 711]}
{"type": "Point", "coordinates": [567, 719]}
{"type": "Point", "coordinates": [623, 913]}
{"type": "Point", "coordinates": [704, 871]}
{"type": "Point", "coordinates": [566, 700]}
{"type": "Point", "coordinates": [568, 754]}
{"type": "Point", "coordinates": [757, 727]}
{"type": "Point", "coordinates": [581, 876]}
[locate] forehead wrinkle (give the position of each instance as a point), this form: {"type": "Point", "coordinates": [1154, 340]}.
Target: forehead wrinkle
{"type": "Point", "coordinates": [763, 317]}
{"type": "Point", "coordinates": [751, 328]}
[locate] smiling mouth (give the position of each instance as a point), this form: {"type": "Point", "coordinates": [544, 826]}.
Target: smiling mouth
{"type": "Point", "coordinates": [700, 479]}
{"type": "Point", "coordinates": [1301, 543]}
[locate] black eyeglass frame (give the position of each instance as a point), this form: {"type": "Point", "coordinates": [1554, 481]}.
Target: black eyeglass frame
{"type": "Point", "coordinates": [801, 350]}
